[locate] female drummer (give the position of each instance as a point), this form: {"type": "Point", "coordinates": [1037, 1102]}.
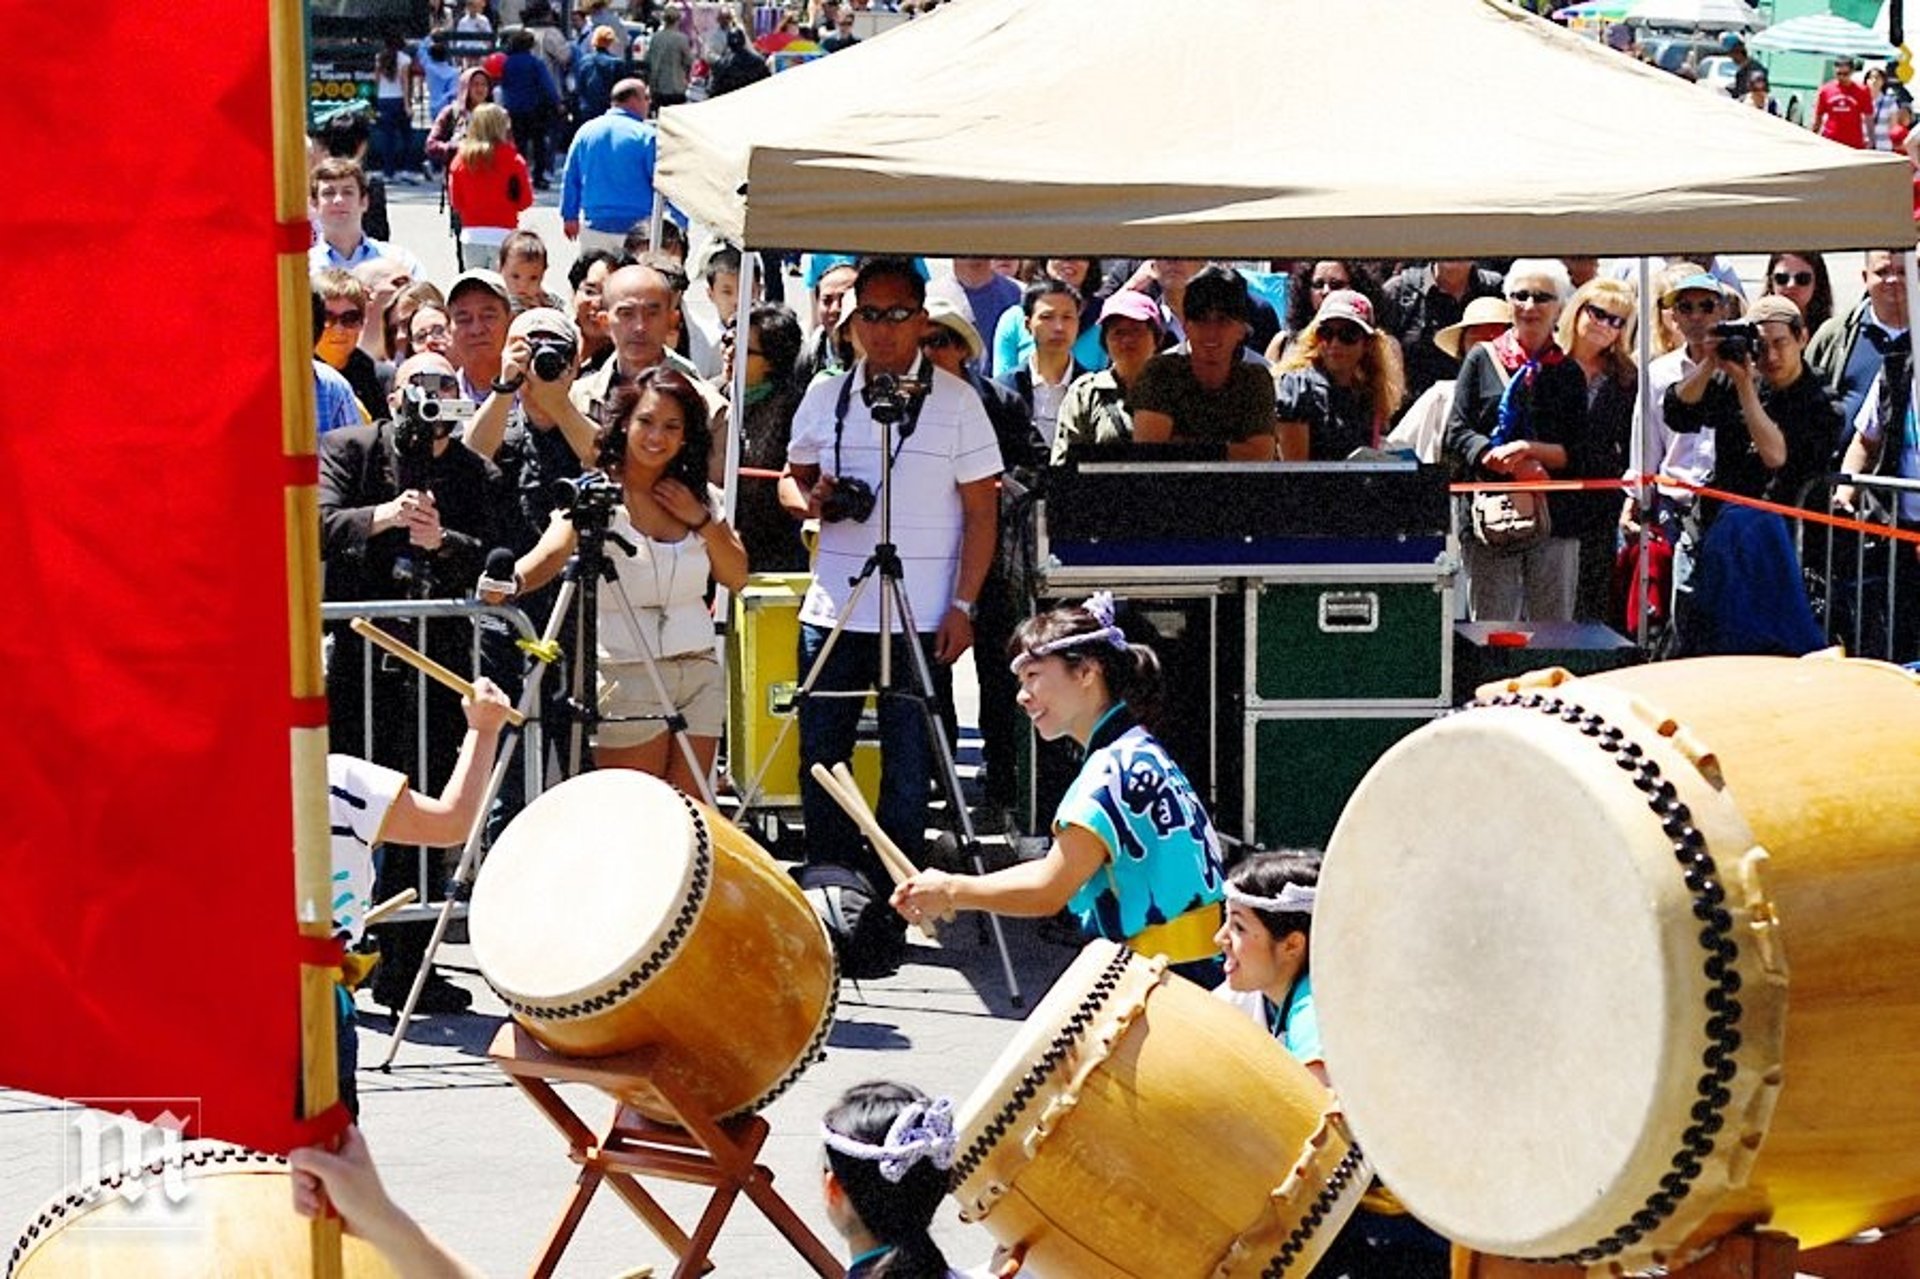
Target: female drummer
{"type": "Point", "coordinates": [655, 446]}
{"type": "Point", "coordinates": [1265, 940]}
{"type": "Point", "coordinates": [1134, 854]}
{"type": "Point", "coordinates": [888, 1150]}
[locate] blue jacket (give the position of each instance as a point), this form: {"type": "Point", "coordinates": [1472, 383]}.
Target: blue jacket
{"type": "Point", "coordinates": [526, 84]}
{"type": "Point", "coordinates": [609, 177]}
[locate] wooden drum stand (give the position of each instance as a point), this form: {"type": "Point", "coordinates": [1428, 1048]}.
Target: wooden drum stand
{"type": "Point", "coordinates": [700, 1150]}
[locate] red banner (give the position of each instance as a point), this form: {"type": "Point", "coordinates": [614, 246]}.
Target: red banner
{"type": "Point", "coordinates": [147, 941]}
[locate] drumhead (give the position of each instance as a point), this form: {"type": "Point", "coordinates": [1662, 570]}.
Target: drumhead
{"type": "Point", "coordinates": [1509, 971]}
{"type": "Point", "coordinates": [585, 886]}
{"type": "Point", "coordinates": [205, 1208]}
{"type": "Point", "coordinates": [1038, 1049]}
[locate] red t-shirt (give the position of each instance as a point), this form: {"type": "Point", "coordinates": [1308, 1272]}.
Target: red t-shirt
{"type": "Point", "coordinates": [1844, 108]}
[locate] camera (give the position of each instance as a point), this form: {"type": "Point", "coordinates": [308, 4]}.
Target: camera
{"type": "Point", "coordinates": [1736, 340]}
{"type": "Point", "coordinates": [426, 417]}
{"type": "Point", "coordinates": [890, 399]}
{"type": "Point", "coordinates": [549, 356]}
{"type": "Point", "coordinates": [849, 499]}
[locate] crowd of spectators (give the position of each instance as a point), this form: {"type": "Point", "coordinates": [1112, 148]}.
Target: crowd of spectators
{"type": "Point", "coordinates": [450, 409]}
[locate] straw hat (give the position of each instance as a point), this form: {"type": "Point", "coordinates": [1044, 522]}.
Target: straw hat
{"type": "Point", "coordinates": [1479, 311]}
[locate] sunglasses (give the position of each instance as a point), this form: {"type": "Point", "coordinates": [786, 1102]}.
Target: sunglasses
{"type": "Point", "coordinates": [345, 319]}
{"type": "Point", "coordinates": [1600, 316]}
{"type": "Point", "coordinates": [940, 340]}
{"type": "Point", "coordinates": [1781, 279]}
{"type": "Point", "coordinates": [1342, 332]}
{"type": "Point", "coordinates": [885, 315]}
{"type": "Point", "coordinates": [1328, 285]}
{"type": "Point", "coordinates": [1706, 306]}
{"type": "Point", "coordinates": [1532, 295]}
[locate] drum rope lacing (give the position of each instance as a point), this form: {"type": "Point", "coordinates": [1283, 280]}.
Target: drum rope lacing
{"type": "Point", "coordinates": [682, 925]}
{"type": "Point", "coordinates": [1716, 938]}
{"type": "Point", "coordinates": [1337, 1182]}
{"type": "Point", "coordinates": [1057, 1052]}
{"type": "Point", "coordinates": [76, 1201]}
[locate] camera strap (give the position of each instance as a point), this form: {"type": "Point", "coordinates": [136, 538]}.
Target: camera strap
{"type": "Point", "coordinates": [901, 432]}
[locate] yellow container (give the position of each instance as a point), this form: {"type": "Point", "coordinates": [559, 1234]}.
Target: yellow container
{"type": "Point", "coordinates": [763, 675]}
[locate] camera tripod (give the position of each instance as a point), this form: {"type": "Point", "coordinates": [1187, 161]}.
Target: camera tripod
{"type": "Point", "coordinates": [896, 610]}
{"type": "Point", "coordinates": [592, 522]}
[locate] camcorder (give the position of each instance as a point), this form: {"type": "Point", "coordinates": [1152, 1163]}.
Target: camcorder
{"type": "Point", "coordinates": [430, 406]}
{"type": "Point", "coordinates": [1736, 340]}
{"type": "Point", "coordinates": [549, 355]}
{"type": "Point", "coordinates": [590, 491]}
{"type": "Point", "coordinates": [850, 498]}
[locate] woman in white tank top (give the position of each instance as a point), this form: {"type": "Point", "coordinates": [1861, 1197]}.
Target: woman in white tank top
{"type": "Point", "coordinates": [654, 445]}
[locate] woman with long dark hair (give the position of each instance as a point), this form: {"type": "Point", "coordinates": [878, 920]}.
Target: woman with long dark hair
{"type": "Point", "coordinates": [1802, 279]}
{"type": "Point", "coordinates": [888, 1150]}
{"type": "Point", "coordinates": [772, 353]}
{"type": "Point", "coordinates": [655, 445]}
{"type": "Point", "coordinates": [1134, 853]}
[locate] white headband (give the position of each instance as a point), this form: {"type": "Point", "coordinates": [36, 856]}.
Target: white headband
{"type": "Point", "coordinates": [1100, 605]}
{"type": "Point", "coordinates": [1294, 899]}
{"type": "Point", "coordinates": [923, 1130]}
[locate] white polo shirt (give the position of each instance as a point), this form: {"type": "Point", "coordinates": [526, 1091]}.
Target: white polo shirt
{"type": "Point", "coordinates": [952, 444]}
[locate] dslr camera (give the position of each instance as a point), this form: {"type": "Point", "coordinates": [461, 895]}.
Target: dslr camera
{"type": "Point", "coordinates": [850, 499]}
{"type": "Point", "coordinates": [1737, 339]}
{"type": "Point", "coordinates": [549, 356]}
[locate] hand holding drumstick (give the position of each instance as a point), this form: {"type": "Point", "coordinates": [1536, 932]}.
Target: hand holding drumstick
{"type": "Point", "coordinates": [844, 791]}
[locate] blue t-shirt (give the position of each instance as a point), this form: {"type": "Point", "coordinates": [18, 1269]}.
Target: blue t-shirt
{"type": "Point", "coordinates": [1163, 858]}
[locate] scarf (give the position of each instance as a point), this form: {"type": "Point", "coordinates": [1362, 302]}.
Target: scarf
{"type": "Point", "coordinates": [1515, 421]}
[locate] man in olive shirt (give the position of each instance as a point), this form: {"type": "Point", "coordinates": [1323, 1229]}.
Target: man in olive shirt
{"type": "Point", "coordinates": [1208, 394]}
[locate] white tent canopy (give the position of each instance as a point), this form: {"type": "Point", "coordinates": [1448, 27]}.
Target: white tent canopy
{"type": "Point", "coordinates": [1246, 129]}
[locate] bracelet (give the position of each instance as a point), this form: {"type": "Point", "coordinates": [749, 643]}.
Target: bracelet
{"type": "Point", "coordinates": [965, 607]}
{"type": "Point", "coordinates": [695, 528]}
{"type": "Point", "coordinates": [506, 388]}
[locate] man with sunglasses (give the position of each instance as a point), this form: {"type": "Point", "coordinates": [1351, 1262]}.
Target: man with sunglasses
{"type": "Point", "coordinates": [943, 468]}
{"type": "Point", "coordinates": [1849, 351]}
{"type": "Point", "coordinates": [1697, 302]}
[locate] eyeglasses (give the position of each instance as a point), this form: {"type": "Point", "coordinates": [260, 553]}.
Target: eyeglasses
{"type": "Point", "coordinates": [1781, 279]}
{"type": "Point", "coordinates": [1600, 315]}
{"type": "Point", "coordinates": [1328, 285]}
{"type": "Point", "coordinates": [885, 315]}
{"type": "Point", "coordinates": [1344, 333]}
{"type": "Point", "coordinates": [431, 333]}
{"type": "Point", "coordinates": [345, 319]}
{"type": "Point", "coordinates": [1532, 295]}
{"type": "Point", "coordinates": [940, 340]}
{"type": "Point", "coordinates": [1705, 306]}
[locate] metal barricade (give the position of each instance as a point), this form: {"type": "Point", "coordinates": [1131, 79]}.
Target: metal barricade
{"type": "Point", "coordinates": [1856, 579]}
{"type": "Point", "coordinates": [532, 743]}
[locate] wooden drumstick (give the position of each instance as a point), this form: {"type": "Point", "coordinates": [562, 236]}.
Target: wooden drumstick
{"type": "Point", "coordinates": [855, 806]}
{"type": "Point", "coordinates": [421, 662]}
{"type": "Point", "coordinates": [405, 897]}
{"type": "Point", "coordinates": [898, 864]}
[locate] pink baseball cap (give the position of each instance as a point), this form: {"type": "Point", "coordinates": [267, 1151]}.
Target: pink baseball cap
{"type": "Point", "coordinates": [1133, 305]}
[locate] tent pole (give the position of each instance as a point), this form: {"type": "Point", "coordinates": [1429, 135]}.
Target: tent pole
{"type": "Point", "coordinates": [312, 852]}
{"type": "Point", "coordinates": [736, 424]}
{"type": "Point", "coordinates": [656, 218]}
{"type": "Point", "coordinates": [1639, 445]}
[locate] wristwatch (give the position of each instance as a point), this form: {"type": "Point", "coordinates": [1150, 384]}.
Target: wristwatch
{"type": "Point", "coordinates": [965, 607]}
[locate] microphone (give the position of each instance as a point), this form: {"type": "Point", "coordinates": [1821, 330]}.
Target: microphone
{"type": "Point", "coordinates": [498, 576]}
